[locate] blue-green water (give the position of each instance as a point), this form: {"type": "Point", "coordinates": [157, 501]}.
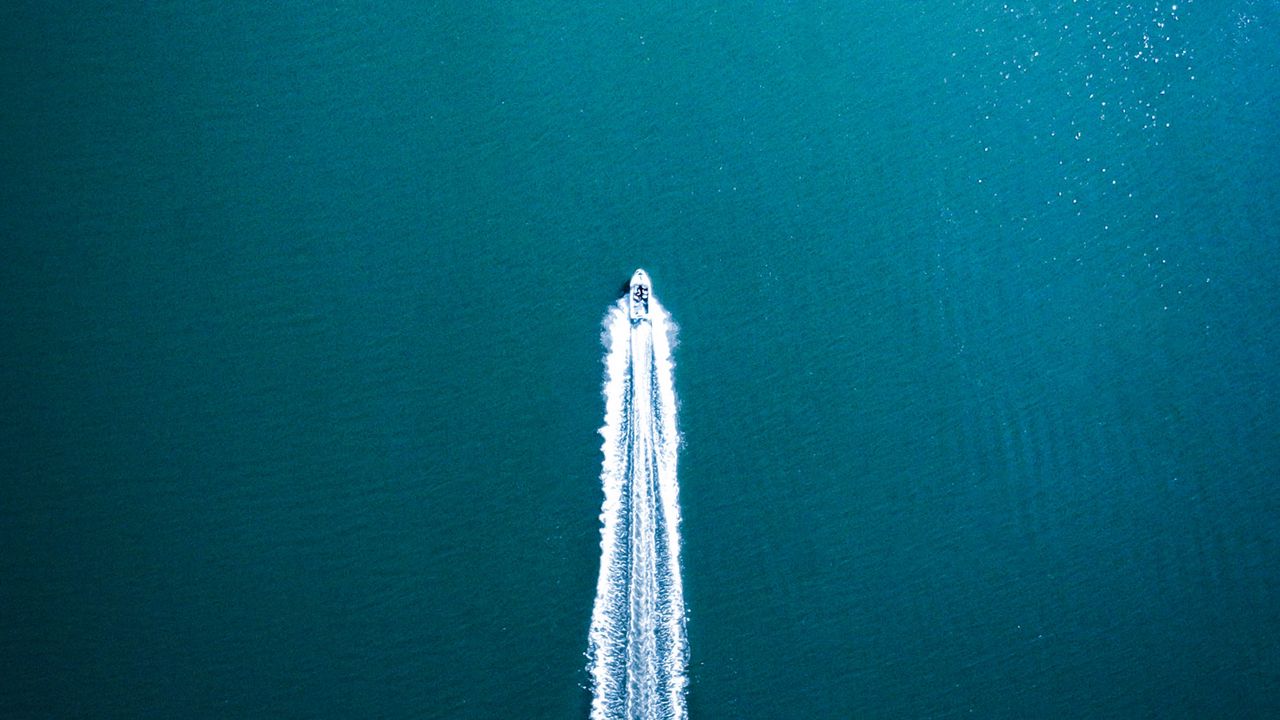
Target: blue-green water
{"type": "Point", "coordinates": [978, 360]}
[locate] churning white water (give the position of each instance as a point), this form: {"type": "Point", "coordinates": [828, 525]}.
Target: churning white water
{"type": "Point", "coordinates": [637, 644]}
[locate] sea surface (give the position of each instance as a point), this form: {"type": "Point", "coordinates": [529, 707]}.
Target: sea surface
{"type": "Point", "coordinates": [978, 362]}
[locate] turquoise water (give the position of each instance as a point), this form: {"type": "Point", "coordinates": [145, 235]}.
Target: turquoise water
{"type": "Point", "coordinates": [977, 361]}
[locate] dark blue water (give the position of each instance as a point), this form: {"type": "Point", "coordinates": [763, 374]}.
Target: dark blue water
{"type": "Point", "coordinates": [978, 357]}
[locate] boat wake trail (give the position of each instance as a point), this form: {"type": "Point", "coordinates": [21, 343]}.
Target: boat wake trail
{"type": "Point", "coordinates": [637, 645]}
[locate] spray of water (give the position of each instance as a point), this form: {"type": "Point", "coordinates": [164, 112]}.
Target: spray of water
{"type": "Point", "coordinates": [637, 645]}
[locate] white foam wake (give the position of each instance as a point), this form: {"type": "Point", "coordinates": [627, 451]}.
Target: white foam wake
{"type": "Point", "coordinates": [637, 645]}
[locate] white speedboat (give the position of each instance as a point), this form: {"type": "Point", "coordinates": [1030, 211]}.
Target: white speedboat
{"type": "Point", "coordinates": [638, 297]}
